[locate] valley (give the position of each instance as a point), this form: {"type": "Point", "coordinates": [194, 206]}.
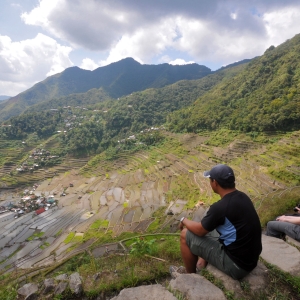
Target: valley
{"type": "Point", "coordinates": [145, 192]}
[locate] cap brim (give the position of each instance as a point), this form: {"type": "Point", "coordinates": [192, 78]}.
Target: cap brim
{"type": "Point", "coordinates": [206, 174]}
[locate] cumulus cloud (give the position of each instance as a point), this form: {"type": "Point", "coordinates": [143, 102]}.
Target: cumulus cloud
{"type": "Point", "coordinates": [26, 62]}
{"type": "Point", "coordinates": [88, 64]}
{"type": "Point", "coordinates": [215, 31]}
{"type": "Point", "coordinates": [145, 43]}
{"type": "Point", "coordinates": [179, 61]}
{"type": "Point", "coordinates": [282, 25]}
{"type": "Point", "coordinates": [212, 33]}
{"type": "Point", "coordinates": [94, 25]}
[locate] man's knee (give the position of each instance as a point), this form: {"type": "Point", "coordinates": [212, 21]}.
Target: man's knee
{"type": "Point", "coordinates": [183, 236]}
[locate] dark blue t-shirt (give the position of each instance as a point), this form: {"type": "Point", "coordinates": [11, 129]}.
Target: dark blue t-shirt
{"type": "Point", "coordinates": [237, 222]}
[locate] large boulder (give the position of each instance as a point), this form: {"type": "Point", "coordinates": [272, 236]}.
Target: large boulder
{"type": "Point", "coordinates": [196, 287]}
{"type": "Point", "coordinates": [254, 281]}
{"type": "Point", "coordinates": [75, 283]}
{"type": "Point", "coordinates": [279, 253]}
{"type": "Point", "coordinates": [145, 292]}
{"type": "Point", "coordinates": [49, 285]}
{"type": "Point", "coordinates": [61, 288]}
{"type": "Point", "coordinates": [28, 289]}
{"type": "Point", "coordinates": [62, 277]}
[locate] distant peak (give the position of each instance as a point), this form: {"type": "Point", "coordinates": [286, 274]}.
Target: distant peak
{"type": "Point", "coordinates": [127, 60]}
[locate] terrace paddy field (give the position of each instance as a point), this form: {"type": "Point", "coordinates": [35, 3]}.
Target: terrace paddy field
{"type": "Point", "coordinates": [110, 202]}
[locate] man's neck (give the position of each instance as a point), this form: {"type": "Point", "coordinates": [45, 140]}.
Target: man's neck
{"type": "Point", "coordinates": [224, 192]}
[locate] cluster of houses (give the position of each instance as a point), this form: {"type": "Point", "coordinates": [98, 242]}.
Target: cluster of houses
{"type": "Point", "coordinates": [35, 159]}
{"type": "Point", "coordinates": [72, 121]}
{"type": "Point", "coordinates": [133, 137]}
{"type": "Point", "coordinates": [31, 202]}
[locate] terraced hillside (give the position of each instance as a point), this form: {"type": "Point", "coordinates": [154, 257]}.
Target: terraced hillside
{"type": "Point", "coordinates": [144, 192]}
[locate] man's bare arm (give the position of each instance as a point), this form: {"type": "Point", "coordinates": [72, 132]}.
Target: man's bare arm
{"type": "Point", "coordinates": [194, 227]}
{"type": "Point", "coordinates": [290, 219]}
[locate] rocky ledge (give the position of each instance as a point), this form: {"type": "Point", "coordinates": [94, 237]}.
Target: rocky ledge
{"type": "Point", "coordinates": [284, 255]}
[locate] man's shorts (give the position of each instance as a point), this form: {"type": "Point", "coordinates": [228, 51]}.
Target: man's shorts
{"type": "Point", "coordinates": [210, 249]}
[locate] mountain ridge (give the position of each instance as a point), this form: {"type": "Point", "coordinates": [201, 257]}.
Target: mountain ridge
{"type": "Point", "coordinates": [118, 79]}
{"type": "Point", "coordinates": [263, 97]}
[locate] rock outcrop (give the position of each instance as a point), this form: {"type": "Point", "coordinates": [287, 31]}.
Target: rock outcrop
{"type": "Point", "coordinates": [189, 286]}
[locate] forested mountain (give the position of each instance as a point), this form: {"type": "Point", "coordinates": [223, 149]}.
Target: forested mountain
{"type": "Point", "coordinates": [260, 95]}
{"type": "Point", "coordinates": [116, 80]}
{"type": "Point", "coordinates": [165, 99]}
{"type": "Point", "coordinates": [114, 119]}
{"type": "Point", "coordinates": [265, 96]}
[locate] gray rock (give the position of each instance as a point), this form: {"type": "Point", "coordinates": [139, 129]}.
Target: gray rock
{"type": "Point", "coordinates": [196, 287]}
{"type": "Point", "coordinates": [256, 280]}
{"type": "Point", "coordinates": [49, 284]}
{"type": "Point", "coordinates": [229, 283]}
{"type": "Point", "coordinates": [292, 241]}
{"type": "Point", "coordinates": [75, 283]}
{"type": "Point", "coordinates": [33, 296]}
{"type": "Point", "coordinates": [96, 276]}
{"type": "Point", "coordinates": [28, 289]}
{"type": "Point", "coordinates": [145, 292]}
{"type": "Point", "coordinates": [62, 277]}
{"type": "Point", "coordinates": [61, 288]}
{"type": "Point", "coordinates": [274, 250]}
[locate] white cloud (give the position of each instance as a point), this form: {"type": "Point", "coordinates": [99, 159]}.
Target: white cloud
{"type": "Point", "coordinates": [218, 32]}
{"type": "Point", "coordinates": [145, 43]}
{"type": "Point", "coordinates": [88, 64]}
{"type": "Point", "coordinates": [41, 14]}
{"type": "Point", "coordinates": [92, 25]}
{"type": "Point", "coordinates": [24, 63]}
{"type": "Point", "coordinates": [179, 61]}
{"type": "Point", "coordinates": [207, 42]}
{"type": "Point", "coordinates": [282, 25]}
{"type": "Point", "coordinates": [212, 33]}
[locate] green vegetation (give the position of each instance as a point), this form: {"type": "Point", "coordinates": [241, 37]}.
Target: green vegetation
{"type": "Point", "coordinates": [76, 87]}
{"type": "Point", "coordinates": [141, 247]}
{"type": "Point", "coordinates": [122, 271]}
{"type": "Point", "coordinates": [8, 288]}
{"type": "Point", "coordinates": [69, 238]}
{"type": "Point", "coordinates": [36, 235]}
{"type": "Point", "coordinates": [99, 224]}
{"type": "Point", "coordinates": [59, 233]}
{"type": "Point", "coordinates": [45, 245]}
{"type": "Point", "coordinates": [263, 97]}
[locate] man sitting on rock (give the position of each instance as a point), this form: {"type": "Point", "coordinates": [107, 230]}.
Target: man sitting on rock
{"type": "Point", "coordinates": [285, 225]}
{"type": "Point", "coordinates": [229, 235]}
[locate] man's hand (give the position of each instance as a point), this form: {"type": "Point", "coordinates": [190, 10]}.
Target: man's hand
{"type": "Point", "coordinates": [194, 227]}
{"type": "Point", "coordinates": [281, 218]}
{"type": "Point", "coordinates": [290, 219]}
{"type": "Point", "coordinates": [181, 226]}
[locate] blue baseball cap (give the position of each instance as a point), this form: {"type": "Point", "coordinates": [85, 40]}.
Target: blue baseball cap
{"type": "Point", "coordinates": [221, 173]}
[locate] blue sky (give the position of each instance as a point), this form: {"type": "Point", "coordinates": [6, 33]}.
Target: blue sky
{"type": "Point", "coordinates": [39, 38]}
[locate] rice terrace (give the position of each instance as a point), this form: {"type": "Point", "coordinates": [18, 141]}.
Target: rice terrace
{"type": "Point", "coordinates": [136, 193]}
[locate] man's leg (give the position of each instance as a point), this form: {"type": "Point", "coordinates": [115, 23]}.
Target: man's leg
{"type": "Point", "coordinates": [189, 259]}
{"type": "Point", "coordinates": [278, 229]}
{"type": "Point", "coordinates": [211, 251]}
{"type": "Point", "coordinates": [202, 263]}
